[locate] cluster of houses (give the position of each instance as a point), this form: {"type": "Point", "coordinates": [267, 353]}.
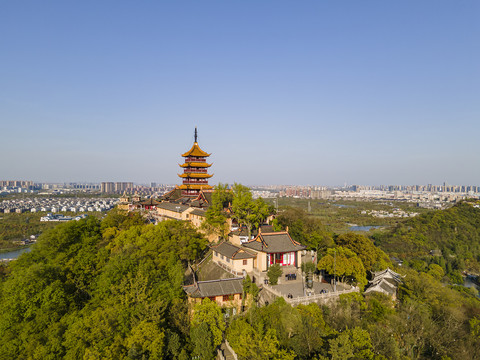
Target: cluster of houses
{"type": "Point", "coordinates": [396, 213]}
{"type": "Point", "coordinates": [62, 218]}
{"type": "Point", "coordinates": [55, 205]}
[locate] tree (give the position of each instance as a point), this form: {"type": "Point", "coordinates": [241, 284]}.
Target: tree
{"type": "Point", "coordinates": [146, 341]}
{"type": "Point", "coordinates": [305, 229]}
{"type": "Point", "coordinates": [251, 288]}
{"type": "Point", "coordinates": [202, 341]}
{"type": "Point", "coordinates": [251, 344]}
{"type": "Point", "coordinates": [248, 212]}
{"type": "Point", "coordinates": [352, 344]}
{"type": "Point", "coordinates": [436, 271]}
{"type": "Point", "coordinates": [372, 257]}
{"type": "Point", "coordinates": [345, 264]}
{"type": "Point", "coordinates": [273, 273]}
{"type": "Point", "coordinates": [310, 329]}
{"type": "Point", "coordinates": [215, 216]}
{"type": "Point", "coordinates": [208, 312]}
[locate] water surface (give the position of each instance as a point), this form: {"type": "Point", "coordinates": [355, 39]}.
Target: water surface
{"type": "Point", "coordinates": [14, 253]}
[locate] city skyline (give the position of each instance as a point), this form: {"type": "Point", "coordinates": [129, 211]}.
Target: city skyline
{"type": "Point", "coordinates": [282, 93]}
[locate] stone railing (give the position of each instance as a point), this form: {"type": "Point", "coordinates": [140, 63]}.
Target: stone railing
{"type": "Point", "coordinates": [312, 298]}
{"type": "Point", "coordinates": [230, 270]}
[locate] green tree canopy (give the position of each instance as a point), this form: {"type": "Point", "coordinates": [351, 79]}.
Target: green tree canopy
{"type": "Point", "coordinates": [216, 217]}
{"type": "Point", "coordinates": [373, 258]}
{"type": "Point", "coordinates": [305, 229]}
{"type": "Point", "coordinates": [248, 212]}
{"type": "Point", "coordinates": [346, 265]}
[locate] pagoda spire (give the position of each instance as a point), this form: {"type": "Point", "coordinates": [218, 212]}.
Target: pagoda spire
{"type": "Point", "coordinates": [195, 134]}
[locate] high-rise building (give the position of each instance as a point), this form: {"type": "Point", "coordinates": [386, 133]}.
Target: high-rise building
{"type": "Point", "coordinates": [107, 187]}
{"type": "Point", "coordinates": [120, 187]}
{"type": "Point", "coordinates": [195, 175]}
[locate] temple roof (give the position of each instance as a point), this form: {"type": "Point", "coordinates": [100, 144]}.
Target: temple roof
{"type": "Point", "coordinates": [243, 231]}
{"type": "Point", "coordinates": [274, 243]}
{"type": "Point", "coordinates": [150, 201]}
{"type": "Point", "coordinates": [196, 151]}
{"type": "Point", "coordinates": [198, 212]}
{"type": "Point", "coordinates": [195, 175]}
{"type": "Point", "coordinates": [195, 164]}
{"type": "Point", "coordinates": [172, 195]}
{"type": "Point", "coordinates": [205, 195]}
{"type": "Point", "coordinates": [387, 274]}
{"type": "Point", "coordinates": [231, 251]}
{"type": "Point", "coordinates": [172, 206]}
{"type": "Point", "coordinates": [383, 286]}
{"type": "Point", "coordinates": [215, 288]}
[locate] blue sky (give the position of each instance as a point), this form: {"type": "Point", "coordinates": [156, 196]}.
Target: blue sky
{"type": "Point", "coordinates": [282, 92]}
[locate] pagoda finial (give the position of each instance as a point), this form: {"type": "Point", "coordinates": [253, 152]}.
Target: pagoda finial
{"type": "Point", "coordinates": [195, 134]}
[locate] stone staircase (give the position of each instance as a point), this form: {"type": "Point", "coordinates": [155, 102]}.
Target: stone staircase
{"type": "Point", "coordinates": [224, 353]}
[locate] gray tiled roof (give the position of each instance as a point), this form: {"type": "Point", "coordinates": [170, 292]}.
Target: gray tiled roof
{"type": "Point", "coordinates": [172, 194]}
{"type": "Point", "coordinates": [274, 243]}
{"type": "Point", "coordinates": [231, 251]}
{"type": "Point", "coordinates": [172, 207]}
{"type": "Point", "coordinates": [198, 212]}
{"type": "Point", "coordinates": [382, 285]}
{"type": "Point", "coordinates": [150, 201]}
{"type": "Point", "coordinates": [243, 231]}
{"type": "Point", "coordinates": [387, 274]}
{"type": "Point", "coordinates": [215, 287]}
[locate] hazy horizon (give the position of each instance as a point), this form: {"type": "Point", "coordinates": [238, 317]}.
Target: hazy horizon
{"type": "Point", "coordinates": [316, 92]}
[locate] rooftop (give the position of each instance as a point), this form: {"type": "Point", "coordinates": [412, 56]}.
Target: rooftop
{"type": "Point", "coordinates": [275, 242]}
{"type": "Point", "coordinates": [215, 287]}
{"type": "Point", "coordinates": [196, 151]}
{"type": "Point", "coordinates": [231, 251]}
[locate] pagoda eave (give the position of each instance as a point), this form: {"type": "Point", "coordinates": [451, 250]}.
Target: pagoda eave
{"type": "Point", "coordinates": [196, 151]}
{"type": "Point", "coordinates": [195, 187]}
{"type": "Point", "coordinates": [195, 164]}
{"type": "Point", "coordinates": [195, 175]}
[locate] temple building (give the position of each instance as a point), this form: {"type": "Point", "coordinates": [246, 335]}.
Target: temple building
{"type": "Point", "coordinates": [254, 257]}
{"type": "Point", "coordinates": [195, 171]}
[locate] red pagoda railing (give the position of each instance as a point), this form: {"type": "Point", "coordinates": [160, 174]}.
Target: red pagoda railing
{"type": "Point", "coordinates": [194, 170]}
{"type": "Point", "coordinates": [195, 159]}
{"type": "Point", "coordinates": [193, 182]}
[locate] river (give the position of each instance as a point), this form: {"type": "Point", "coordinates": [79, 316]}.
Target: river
{"type": "Point", "coordinates": [364, 228]}
{"type": "Point", "coordinates": [469, 283]}
{"type": "Point", "coordinates": [14, 253]}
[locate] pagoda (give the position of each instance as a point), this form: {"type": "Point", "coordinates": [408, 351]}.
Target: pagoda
{"type": "Point", "coordinates": [195, 175]}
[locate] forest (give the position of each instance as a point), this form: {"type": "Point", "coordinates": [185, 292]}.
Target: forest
{"type": "Point", "coordinates": [112, 289]}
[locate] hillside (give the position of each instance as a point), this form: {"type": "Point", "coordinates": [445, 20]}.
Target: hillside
{"type": "Point", "coordinates": [455, 232]}
{"type": "Point", "coordinates": [112, 289]}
